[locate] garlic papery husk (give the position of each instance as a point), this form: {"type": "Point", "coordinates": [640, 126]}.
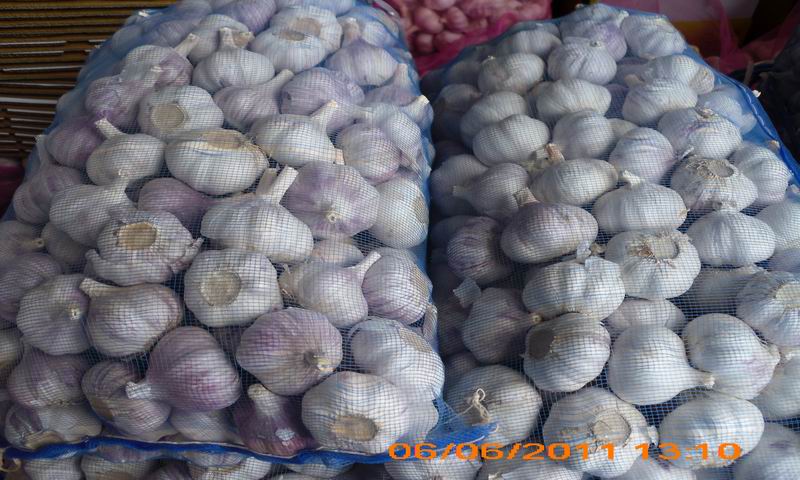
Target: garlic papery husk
{"type": "Point", "coordinates": [545, 231]}
{"type": "Point", "coordinates": [680, 68]}
{"type": "Point", "coordinates": [701, 132]}
{"type": "Point", "coordinates": [32, 428]}
{"type": "Point", "coordinates": [333, 200]}
{"type": "Point", "coordinates": [291, 350]}
{"type": "Point", "coordinates": [369, 151]}
{"type": "Point", "coordinates": [715, 289]}
{"type": "Point", "coordinates": [173, 196]}
{"type": "Point", "coordinates": [17, 238]}
{"type": "Point", "coordinates": [308, 91]}
{"type": "Point", "coordinates": [170, 111]}
{"type": "Point", "coordinates": [342, 252]}
{"type": "Point", "coordinates": [511, 140]}
{"type": "Point", "coordinates": [402, 220]}
{"type": "Point", "coordinates": [51, 316]}
{"type": "Point", "coordinates": [67, 251]}
{"type": "Point", "coordinates": [245, 105]}
{"type": "Point", "coordinates": [42, 380]}
{"type": "Point", "coordinates": [728, 102]}
{"type": "Point", "coordinates": [574, 182]}
{"type": "Point", "coordinates": [768, 303]}
{"type": "Point", "coordinates": [519, 469]}
{"type": "Point", "coordinates": [635, 312]}
{"type": "Point", "coordinates": [61, 468]}
{"type": "Point", "coordinates": [713, 419]}
{"type": "Point", "coordinates": [728, 237]}
{"type": "Point", "coordinates": [647, 102]}
{"type": "Point", "coordinates": [648, 365]}
{"type": "Point", "coordinates": [269, 423]}
{"type": "Point", "coordinates": [72, 141]}
{"type": "Point", "coordinates": [215, 426]}
{"type": "Point", "coordinates": [232, 65]}
{"type": "Point", "coordinates": [645, 153]}
{"type": "Point", "coordinates": [231, 287]}
{"type": "Point", "coordinates": [259, 223]}
{"type": "Point", "coordinates": [599, 418]}
{"type": "Point", "coordinates": [208, 35]}
{"type": "Point", "coordinates": [490, 109]}
{"type": "Point", "coordinates": [20, 275]}
{"type": "Point", "coordinates": [450, 105]}
{"type": "Point", "coordinates": [396, 288]}
{"type": "Point", "coordinates": [116, 98]}
{"type": "Point", "coordinates": [538, 41]}
{"type": "Point", "coordinates": [248, 469]}
{"type": "Point", "coordinates": [585, 134]}
{"type": "Point", "coordinates": [126, 321]}
{"type": "Point", "coordinates": [104, 387]}
{"type": "Point", "coordinates": [583, 59]}
{"type": "Point", "coordinates": [329, 289]}
{"type": "Point", "coordinates": [311, 20]}
{"type": "Point", "coordinates": [497, 394]}
{"type": "Point", "coordinates": [390, 350]}
{"type": "Point", "coordinates": [142, 247]}
{"type": "Point", "coordinates": [363, 63]}
{"type": "Point", "coordinates": [639, 205]}
{"type": "Point", "coordinates": [784, 220]}
{"type": "Point", "coordinates": [777, 456]}
{"type": "Point", "coordinates": [451, 468]}
{"type": "Point", "coordinates": [176, 69]}
{"type": "Point", "coordinates": [587, 284]}
{"type": "Point", "coordinates": [563, 97]}
{"type": "Point", "coordinates": [761, 165]}
{"type": "Point", "coordinates": [655, 264]}
{"type": "Point", "coordinates": [515, 72]}
{"type": "Point", "coordinates": [706, 183]}
{"type": "Point", "coordinates": [10, 351]}
{"type": "Point", "coordinates": [82, 211]}
{"type": "Point", "coordinates": [356, 412]}
{"type": "Point", "coordinates": [566, 353]}
{"type": "Point", "coordinates": [130, 157]}
{"type": "Point", "coordinates": [290, 49]}
{"type": "Point", "coordinates": [498, 192]}
{"type": "Point", "coordinates": [97, 468]}
{"type": "Point", "coordinates": [651, 36]}
{"type": "Point", "coordinates": [173, 375]}
{"type": "Point", "coordinates": [780, 399]}
{"type": "Point", "coordinates": [474, 252]}
{"type": "Point", "coordinates": [730, 350]}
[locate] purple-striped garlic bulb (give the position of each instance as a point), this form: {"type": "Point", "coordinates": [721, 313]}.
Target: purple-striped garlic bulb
{"type": "Point", "coordinates": [124, 156]}
{"type": "Point", "coordinates": [20, 275]}
{"type": "Point", "coordinates": [176, 69]}
{"type": "Point", "coordinates": [116, 98]}
{"type": "Point", "coordinates": [173, 196]}
{"type": "Point", "coordinates": [41, 380]}
{"type": "Point", "coordinates": [17, 238]}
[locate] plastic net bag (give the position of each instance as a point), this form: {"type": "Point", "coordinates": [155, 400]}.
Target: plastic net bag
{"type": "Point", "coordinates": [614, 255]}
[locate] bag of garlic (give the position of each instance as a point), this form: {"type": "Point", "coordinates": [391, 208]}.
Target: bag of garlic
{"type": "Point", "coordinates": [615, 257]}
{"type": "Point", "coordinates": [218, 253]}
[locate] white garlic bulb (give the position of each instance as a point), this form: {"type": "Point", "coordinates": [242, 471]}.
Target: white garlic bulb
{"type": "Point", "coordinates": [497, 394]}
{"type": "Point", "coordinates": [563, 97]}
{"type": "Point", "coordinates": [95, 467]}
{"type": "Point", "coordinates": [596, 417]}
{"type": "Point", "coordinates": [456, 365]}
{"type": "Point", "coordinates": [343, 252]}
{"type": "Point", "coordinates": [650, 36]}
{"type": "Point", "coordinates": [214, 426]}
{"type": "Point", "coordinates": [538, 41]}
{"type": "Point", "coordinates": [290, 49]}
{"type": "Point", "coordinates": [170, 111]}
{"type": "Point", "coordinates": [395, 287]}
{"type": "Point", "coordinates": [780, 399]}
{"type": "Point", "coordinates": [648, 101]}
{"type": "Point", "coordinates": [452, 102]}
{"type": "Point", "coordinates": [728, 237]}
{"type": "Point", "coordinates": [620, 127]}
{"type": "Point", "coordinates": [520, 469]}
{"type": "Point", "coordinates": [715, 289]}
{"type": "Point", "coordinates": [644, 152]}
{"type": "Point", "coordinates": [490, 109]}
{"type": "Point", "coordinates": [574, 182]}
{"type": "Point", "coordinates": [231, 65]}
{"type": "Point", "coordinates": [451, 468]}
{"type": "Point", "coordinates": [566, 353]}
{"type": "Point", "coordinates": [248, 469]}
{"type": "Point", "coordinates": [701, 132]}
{"type": "Point", "coordinates": [131, 157]}
{"type": "Point", "coordinates": [635, 312]}
{"type": "Point", "coordinates": [655, 265]}
{"type": "Point", "coordinates": [402, 220]}
{"type": "Point", "coordinates": [511, 140]}
{"type": "Point", "coordinates": [713, 420]}
{"type": "Point", "coordinates": [311, 20]}
{"type": "Point", "coordinates": [515, 72]}
{"type": "Point", "coordinates": [498, 192]}
{"type": "Point", "coordinates": [777, 456]}
{"type": "Point", "coordinates": [245, 105]}
{"type": "Point", "coordinates": [82, 211]}
{"type": "Point", "coordinates": [456, 170]}
{"type": "Point", "coordinates": [370, 151]}
{"type": "Point", "coordinates": [474, 252]}
{"type": "Point", "coordinates": [362, 62]}
{"type": "Point", "coordinates": [768, 304]}
{"type": "Point", "coordinates": [67, 468]}
{"type": "Point", "coordinates": [681, 68]}
{"type": "Point", "coordinates": [761, 165]}
{"type": "Point", "coordinates": [639, 205]}
{"type": "Point", "coordinates": [657, 469]}
{"type": "Point", "coordinates": [207, 32]}
{"type": "Point", "coordinates": [64, 249]}
{"type": "Point", "coordinates": [786, 260]}
{"type": "Point", "coordinates": [33, 428]}
{"type": "Point", "coordinates": [706, 183]}
{"type": "Point", "coordinates": [648, 365]}
{"type": "Point", "coordinates": [581, 58]}
{"type": "Point", "coordinates": [231, 287]}
{"type": "Point", "coordinates": [783, 219]}
{"type": "Point", "coordinates": [585, 134]}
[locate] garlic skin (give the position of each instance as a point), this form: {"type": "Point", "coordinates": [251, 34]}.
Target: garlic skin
{"type": "Point", "coordinates": [19, 276]}
{"type": "Point", "coordinates": [585, 134]}
{"type": "Point", "coordinates": [63, 468]}
{"type": "Point", "coordinates": [55, 309]}
{"type": "Point", "coordinates": [706, 183]}
{"type": "Point", "coordinates": [290, 49]}
{"type": "Point", "coordinates": [255, 14]}
{"type": "Point", "coordinates": [231, 65]}
{"type": "Point", "coordinates": [116, 98]}
{"type": "Point", "coordinates": [176, 69]}
{"type": "Point", "coordinates": [82, 211]}
{"type": "Point", "coordinates": [644, 152]}
{"type": "Point", "coordinates": [603, 418]}
{"type": "Point", "coordinates": [401, 91]}
{"type": "Point", "coordinates": [208, 35]}
{"type": "Point", "coordinates": [231, 287]}
{"type": "Point", "coordinates": [768, 172]}
{"type": "Point", "coordinates": [363, 63]}
{"type": "Point", "coordinates": [701, 132]}
{"type": "Point", "coordinates": [451, 468]}
{"type": "Point", "coordinates": [341, 252]}
{"type": "Point", "coordinates": [728, 237]}
{"type": "Point", "coordinates": [538, 41]}
{"type": "Point", "coordinates": [33, 428]}
{"type": "Point", "coordinates": [248, 469]}
{"type": "Point", "coordinates": [639, 205]}
{"type": "Point", "coordinates": [681, 68]}
{"type": "Point", "coordinates": [651, 36]}
{"type": "Point", "coordinates": [498, 192]}
{"type": "Point", "coordinates": [519, 469]}
{"type": "Point", "coordinates": [497, 394]}
{"type": "Point", "coordinates": [574, 182]}
{"type": "Point", "coordinates": [583, 59]}
{"type": "Point", "coordinates": [777, 456]}
{"type": "Point", "coordinates": [647, 102]}
{"type": "Point", "coordinates": [131, 157]}
{"type": "Point", "coordinates": [69, 253]}
{"type": "Point", "coordinates": [308, 91]}
{"type": "Point", "coordinates": [396, 288]}
{"type": "Point", "coordinates": [780, 399]}
{"type": "Point", "coordinates": [11, 349]}
{"type": "Point", "coordinates": [171, 111]}
{"type": "Point", "coordinates": [245, 105]}
{"type": "Point", "coordinates": [173, 377]}
{"type": "Point", "coordinates": [511, 140]}
{"type": "Point", "coordinates": [713, 419]}
{"type": "Point", "coordinates": [214, 426]}
{"type": "Point", "coordinates": [566, 353]}
{"type": "Point", "coordinates": [635, 312]}
{"type": "Point", "coordinates": [370, 151]}
{"type": "Point", "coordinates": [296, 140]}
{"type": "Point", "coordinates": [783, 219]}
{"type": "Point", "coordinates": [444, 230]}
{"type": "Point", "coordinates": [126, 321]}
{"type": "Point", "coordinates": [474, 252]}
{"type": "Point", "coordinates": [312, 20]}
{"type": "Point", "coordinates": [563, 97]}
{"type": "Point", "coordinates": [356, 412]}
{"type": "Point", "coordinates": [458, 170]}
{"type": "Point", "coordinates": [42, 380]}
{"type": "Point", "coordinates": [173, 196]}
{"type": "Point", "coordinates": [294, 340]}
{"type": "Point", "coordinates": [515, 72]}
{"type": "Point", "coordinates": [642, 375]}
{"type": "Point", "coordinates": [490, 109]}
{"type": "Point", "coordinates": [731, 351]}
{"type": "Point", "coordinates": [97, 468]}
{"type": "Point", "coordinates": [72, 141]}
{"type": "Point", "coordinates": [727, 101]}
{"type": "Point", "coordinates": [715, 289]}
{"type": "Point", "coordinates": [543, 231]}
{"type": "Point", "coordinates": [402, 220]}
{"type": "Point", "coordinates": [767, 303]}
{"type": "Point", "coordinates": [104, 387]}
{"type": "Point", "coordinates": [17, 238]}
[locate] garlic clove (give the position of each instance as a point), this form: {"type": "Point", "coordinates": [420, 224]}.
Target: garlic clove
{"type": "Point", "coordinates": [42, 380]}
{"type": "Point", "coordinates": [173, 196]}
{"type": "Point", "coordinates": [21, 275]}
{"type": "Point", "coordinates": [171, 111]}
{"type": "Point", "coordinates": [575, 182]}
{"type": "Point", "coordinates": [499, 192]}
{"type": "Point", "coordinates": [245, 105]}
{"type": "Point", "coordinates": [123, 156]}
{"type": "Point", "coordinates": [634, 312]}
{"type": "Point", "coordinates": [728, 237]}
{"type": "Point", "coordinates": [706, 183]}
{"type": "Point", "coordinates": [511, 140]}
{"type": "Point", "coordinates": [767, 302]}
{"type": "Point", "coordinates": [81, 211]}
{"type": "Point", "coordinates": [583, 59]}
{"type": "Point", "coordinates": [402, 220]}
{"type": "Point", "coordinates": [231, 65]}
{"type": "Point", "coordinates": [644, 152]}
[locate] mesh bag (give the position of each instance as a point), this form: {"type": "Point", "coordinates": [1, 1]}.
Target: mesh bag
{"type": "Point", "coordinates": [614, 255]}
{"type": "Point", "coordinates": [217, 255]}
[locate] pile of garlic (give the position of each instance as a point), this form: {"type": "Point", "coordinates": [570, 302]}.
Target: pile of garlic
{"type": "Point", "coordinates": [615, 257]}
{"type": "Point", "coordinates": [222, 239]}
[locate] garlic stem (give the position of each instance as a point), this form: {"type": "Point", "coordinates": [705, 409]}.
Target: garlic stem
{"type": "Point", "coordinates": [96, 289]}
{"type": "Point", "coordinates": [524, 197]}
{"type": "Point", "coordinates": [107, 129]}
{"type": "Point", "coordinates": [325, 114]}
{"type": "Point", "coordinates": [226, 38]}
{"type": "Point", "coordinates": [186, 45]}
{"type": "Point", "coordinates": [350, 31]}
{"type": "Point", "coordinates": [320, 362]}
{"type": "Point", "coordinates": [276, 83]}
{"type": "Point", "coordinates": [467, 292]}
{"type": "Point", "coordinates": [141, 391]}
{"type": "Point", "coordinates": [630, 179]}
{"type": "Point", "coordinates": [360, 269]}
{"type": "Point", "coordinates": [416, 109]}
{"type": "Point", "coordinates": [278, 187]}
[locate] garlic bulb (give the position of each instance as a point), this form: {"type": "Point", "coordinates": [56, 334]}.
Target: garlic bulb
{"type": "Point", "coordinates": [370, 151]}
{"type": "Point", "coordinates": [777, 456]}
{"type": "Point", "coordinates": [356, 412]}
{"type": "Point", "coordinates": [658, 469]}
{"type": "Point", "coordinates": [56, 309]}
{"type": "Point", "coordinates": [104, 387]}
{"type": "Point", "coordinates": [597, 417]}
{"type": "Point", "coordinates": [644, 152]}
{"type": "Point", "coordinates": [680, 68]}
{"type": "Point", "coordinates": [519, 469]}
{"type": "Point", "coordinates": [728, 237]}
{"type": "Point", "coordinates": [648, 365]}
{"type": "Point", "coordinates": [490, 109]}
{"type": "Point", "coordinates": [311, 20]}
{"type": "Point", "coordinates": [259, 223]}
{"type": "Point", "coordinates": [538, 41]}
{"type": "Point", "coordinates": [586, 284]}
{"type": "Point", "coordinates": [403, 132]}
{"type": "Point", "coordinates": [715, 289]}
{"type": "Point", "coordinates": [731, 351]}
{"type": "Point", "coordinates": [768, 172]}
{"type": "Point", "coordinates": [515, 72]}
{"type": "Point", "coordinates": [701, 132]}
{"type": "Point", "coordinates": [451, 468]}
{"type": "Point", "coordinates": [563, 97]}
{"type": "Point", "coordinates": [767, 303]}
{"type": "Point", "coordinates": [363, 63]}
{"type": "Point", "coordinates": [786, 260]}
{"type": "Point", "coordinates": [116, 98]}
{"type": "Point", "coordinates": [73, 140]}
{"type": "Point", "coordinates": [497, 394]}
{"type": "Point", "coordinates": [585, 134]}
{"type": "Point", "coordinates": [97, 468]}
{"type": "Point", "coordinates": [231, 65]}
{"type": "Point", "coordinates": [33, 428]}
{"type": "Point", "coordinates": [608, 33]}
{"type": "Point", "coordinates": [635, 312]}
{"type": "Point", "coordinates": [651, 36]}
{"type": "Point", "coordinates": [648, 101]}
{"type": "Point", "coordinates": [253, 13]}
{"type": "Point", "coordinates": [329, 289]}
{"type": "Point", "coordinates": [511, 140]}
{"type": "Point", "coordinates": [173, 375]}
{"type": "Point", "coordinates": [291, 350]}
{"type": "Point", "coordinates": [706, 183]}
{"type": "Point", "coordinates": [245, 105]}
{"type": "Point", "coordinates": [581, 58]}
{"type": "Point", "coordinates": [499, 192]}
{"type": "Point", "coordinates": [574, 182]}
{"type": "Point", "coordinates": [131, 157]}
{"type": "Point", "coordinates": [62, 468]}
{"type": "Point", "coordinates": [208, 35]}
{"type": "Point", "coordinates": [780, 399]}
{"type": "Point", "coordinates": [20, 275]}
{"type": "Point", "coordinates": [378, 27]}
{"type": "Point", "coordinates": [728, 102]}
{"type": "Point", "coordinates": [783, 219]}
{"type": "Point", "coordinates": [42, 380]}
{"type": "Point", "coordinates": [308, 91]}
{"type": "Point", "coordinates": [126, 321]}
{"type": "Point", "coordinates": [68, 252]}
{"type": "Point", "coordinates": [82, 211]}
{"type": "Point", "coordinates": [401, 91]}
{"type": "Point", "coordinates": [342, 252]}
{"type": "Point", "coordinates": [176, 69]}
{"type": "Point", "coordinates": [545, 231]}
{"type": "Point", "coordinates": [402, 220]}
{"type": "Point", "coordinates": [231, 287]}
{"type": "Point", "coordinates": [214, 426]}
{"type": "Point", "coordinates": [10, 351]}
{"type": "Point", "coordinates": [171, 111]}
{"type": "Point", "coordinates": [248, 469]}
{"type": "Point", "coordinates": [173, 196]}
{"type": "Point", "coordinates": [456, 365]}
{"type": "Point", "coordinates": [444, 229]}
{"type": "Point", "coordinates": [17, 238]}
{"type": "Point", "coordinates": [566, 353]}
{"type": "Point", "coordinates": [290, 49]}
{"type": "Point", "coordinates": [396, 288]}
{"type": "Point", "coordinates": [142, 247]}
{"type": "Point", "coordinates": [474, 252]}
{"type": "Point", "coordinates": [171, 471]}
{"type": "Point", "coordinates": [450, 105]}
{"type": "Point", "coordinates": [596, 13]}
{"type": "Point", "coordinates": [639, 205]}
{"type": "Point", "coordinates": [714, 419]}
